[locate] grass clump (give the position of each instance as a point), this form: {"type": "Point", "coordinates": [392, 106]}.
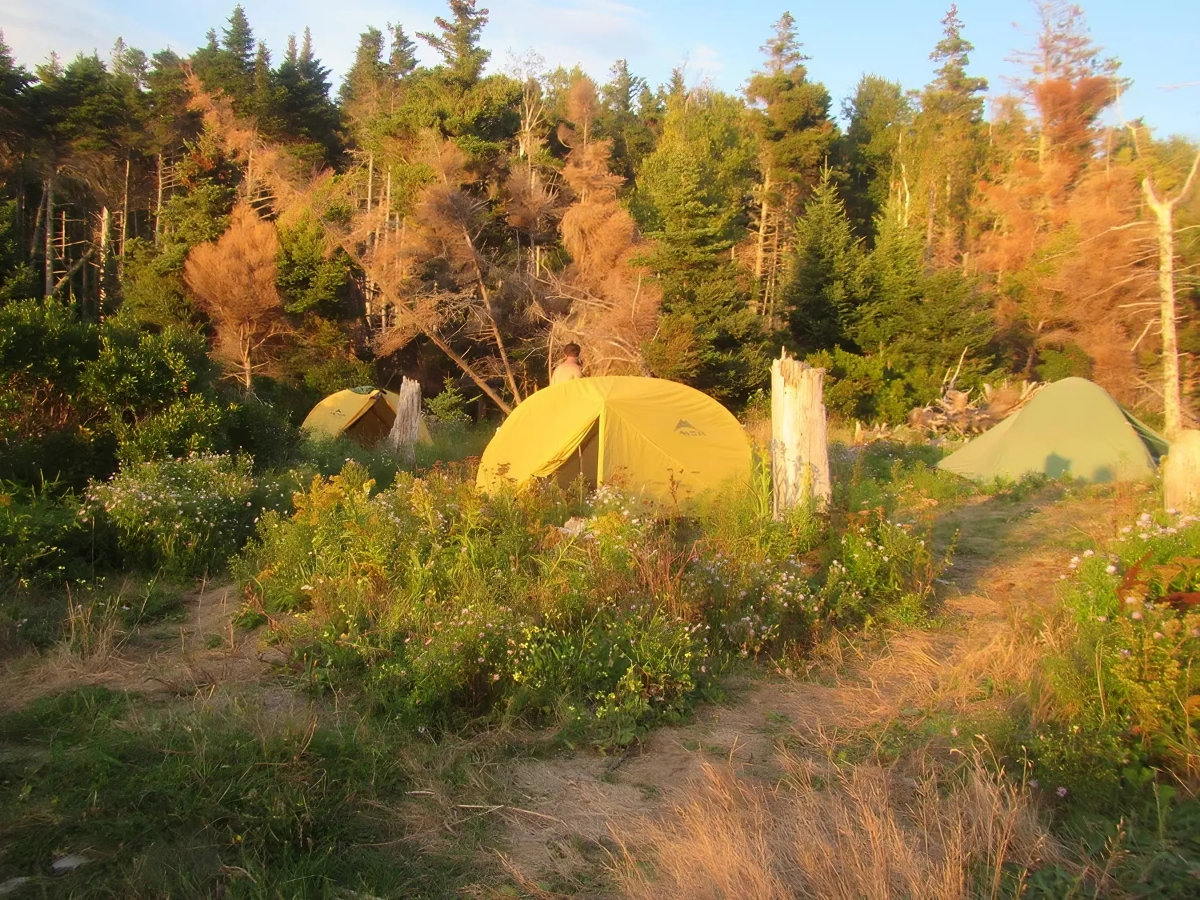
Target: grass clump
{"type": "Point", "coordinates": [205, 801]}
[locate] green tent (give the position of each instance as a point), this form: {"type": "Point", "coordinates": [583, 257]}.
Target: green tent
{"type": "Point", "coordinates": [1070, 428]}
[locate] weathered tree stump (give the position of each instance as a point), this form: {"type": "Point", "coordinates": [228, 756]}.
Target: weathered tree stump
{"type": "Point", "coordinates": [1181, 472]}
{"type": "Point", "coordinates": [403, 436]}
{"type": "Point", "coordinates": [799, 443]}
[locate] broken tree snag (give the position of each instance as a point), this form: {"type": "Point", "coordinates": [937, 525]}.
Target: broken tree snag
{"type": "Point", "coordinates": [403, 436]}
{"type": "Point", "coordinates": [799, 447]}
{"type": "Point", "coordinates": [1181, 473]}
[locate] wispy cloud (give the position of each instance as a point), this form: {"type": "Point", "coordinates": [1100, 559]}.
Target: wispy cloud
{"type": "Point", "coordinates": [592, 33]}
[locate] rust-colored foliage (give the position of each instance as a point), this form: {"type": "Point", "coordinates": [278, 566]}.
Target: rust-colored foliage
{"type": "Point", "coordinates": [613, 302]}
{"type": "Point", "coordinates": [233, 280]}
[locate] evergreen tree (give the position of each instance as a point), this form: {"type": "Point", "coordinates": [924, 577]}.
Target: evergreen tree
{"type": "Point", "coordinates": [366, 80]}
{"type": "Point", "coordinates": [920, 322]}
{"type": "Point", "coordinates": [691, 201]}
{"type": "Point", "coordinates": [458, 42]}
{"type": "Point", "coordinates": [631, 139]}
{"type": "Point", "coordinates": [228, 65]}
{"type": "Point", "coordinates": [402, 60]}
{"type": "Point", "coordinates": [796, 136]}
{"type": "Point", "coordinates": [14, 111]}
{"type": "Point", "coordinates": [304, 110]}
{"type": "Point", "coordinates": [879, 115]}
{"type": "Point", "coordinates": [825, 290]}
{"type": "Point", "coordinates": [795, 126]}
{"type": "Point", "coordinates": [238, 40]}
{"type": "Point", "coordinates": [948, 146]}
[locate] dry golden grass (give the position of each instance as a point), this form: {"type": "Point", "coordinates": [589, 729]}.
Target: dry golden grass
{"type": "Point", "coordinates": [837, 831]}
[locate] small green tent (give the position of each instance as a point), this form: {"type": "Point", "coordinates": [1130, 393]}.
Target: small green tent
{"type": "Point", "coordinates": [1071, 427]}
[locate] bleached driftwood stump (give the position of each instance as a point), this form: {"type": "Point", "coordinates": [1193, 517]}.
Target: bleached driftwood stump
{"type": "Point", "coordinates": [403, 436]}
{"type": "Point", "coordinates": [1181, 472]}
{"type": "Point", "coordinates": [799, 439]}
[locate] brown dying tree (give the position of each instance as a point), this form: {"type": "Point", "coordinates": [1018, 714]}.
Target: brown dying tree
{"type": "Point", "coordinates": [606, 302]}
{"type": "Point", "coordinates": [233, 281]}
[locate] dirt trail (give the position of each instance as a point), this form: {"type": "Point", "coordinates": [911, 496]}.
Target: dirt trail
{"type": "Point", "coordinates": [1010, 555]}
{"type": "Point", "coordinates": [185, 656]}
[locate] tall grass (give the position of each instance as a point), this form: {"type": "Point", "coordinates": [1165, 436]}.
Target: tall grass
{"type": "Point", "coordinates": [840, 831]}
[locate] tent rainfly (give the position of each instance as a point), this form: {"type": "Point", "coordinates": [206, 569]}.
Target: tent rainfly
{"type": "Point", "coordinates": [1070, 428]}
{"type": "Point", "coordinates": [365, 414]}
{"type": "Point", "coordinates": [663, 441]}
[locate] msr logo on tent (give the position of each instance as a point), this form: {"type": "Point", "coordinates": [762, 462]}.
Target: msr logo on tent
{"type": "Point", "coordinates": [683, 426]}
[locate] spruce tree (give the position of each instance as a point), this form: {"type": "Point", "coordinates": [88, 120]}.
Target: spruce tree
{"type": "Point", "coordinates": [458, 42]}
{"type": "Point", "coordinates": [825, 290]}
{"type": "Point", "coordinates": [948, 144]}
{"type": "Point", "coordinates": [879, 115]}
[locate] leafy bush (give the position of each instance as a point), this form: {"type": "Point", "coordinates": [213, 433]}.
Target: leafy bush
{"type": "Point", "coordinates": [139, 371]}
{"type": "Point", "coordinates": [1123, 692]}
{"type": "Point", "coordinates": [191, 424]}
{"type": "Point", "coordinates": [188, 515]}
{"type": "Point", "coordinates": [863, 387]}
{"type": "Point", "coordinates": [447, 408]}
{"type": "Point", "coordinates": [1056, 363]}
{"type": "Point", "coordinates": [436, 604]}
{"type": "Point", "coordinates": [44, 340]}
{"type": "Point", "coordinates": [880, 570]}
{"type": "Point", "coordinates": [43, 539]}
{"type": "Point", "coordinates": [261, 430]}
{"type": "Point", "coordinates": [327, 456]}
{"type": "Point", "coordinates": [619, 671]}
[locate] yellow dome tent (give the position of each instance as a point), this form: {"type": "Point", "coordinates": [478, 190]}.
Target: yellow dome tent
{"type": "Point", "coordinates": [365, 414]}
{"type": "Point", "coordinates": [664, 441]}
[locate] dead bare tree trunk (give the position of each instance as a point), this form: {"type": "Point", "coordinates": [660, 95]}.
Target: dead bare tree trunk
{"type": "Point", "coordinates": [403, 436]}
{"type": "Point", "coordinates": [486, 296]}
{"type": "Point", "coordinates": [102, 264]}
{"type": "Point", "coordinates": [799, 446]}
{"type": "Point", "coordinates": [1164, 217]}
{"type": "Point", "coordinates": [760, 247]}
{"type": "Point", "coordinates": [158, 202]}
{"type": "Point", "coordinates": [124, 213]}
{"type": "Point", "coordinates": [49, 189]}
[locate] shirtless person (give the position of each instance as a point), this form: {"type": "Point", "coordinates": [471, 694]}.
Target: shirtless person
{"type": "Point", "coordinates": [569, 367]}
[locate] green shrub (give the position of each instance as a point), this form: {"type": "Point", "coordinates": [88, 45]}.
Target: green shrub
{"type": "Point", "coordinates": [613, 675]}
{"type": "Point", "coordinates": [45, 540]}
{"type": "Point", "coordinates": [191, 424]}
{"type": "Point", "coordinates": [447, 408]}
{"type": "Point", "coordinates": [881, 570]}
{"type": "Point", "coordinates": [327, 456]}
{"type": "Point", "coordinates": [44, 340]}
{"type": "Point", "coordinates": [864, 387]}
{"type": "Point", "coordinates": [261, 430]}
{"type": "Point", "coordinates": [1121, 696]}
{"type": "Point", "coordinates": [1056, 363]}
{"type": "Point", "coordinates": [186, 516]}
{"type": "Point", "coordinates": [139, 371]}
{"type": "Point", "coordinates": [435, 604]}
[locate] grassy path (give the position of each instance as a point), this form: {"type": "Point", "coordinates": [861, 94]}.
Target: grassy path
{"type": "Point", "coordinates": [891, 701]}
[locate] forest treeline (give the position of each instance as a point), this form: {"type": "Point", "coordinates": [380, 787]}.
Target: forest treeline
{"type": "Point", "coordinates": [451, 221]}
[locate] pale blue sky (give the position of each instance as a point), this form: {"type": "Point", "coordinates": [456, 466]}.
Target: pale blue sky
{"type": "Point", "coordinates": [1157, 41]}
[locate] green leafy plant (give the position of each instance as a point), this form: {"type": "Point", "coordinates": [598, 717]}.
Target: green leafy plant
{"type": "Point", "coordinates": [185, 515]}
